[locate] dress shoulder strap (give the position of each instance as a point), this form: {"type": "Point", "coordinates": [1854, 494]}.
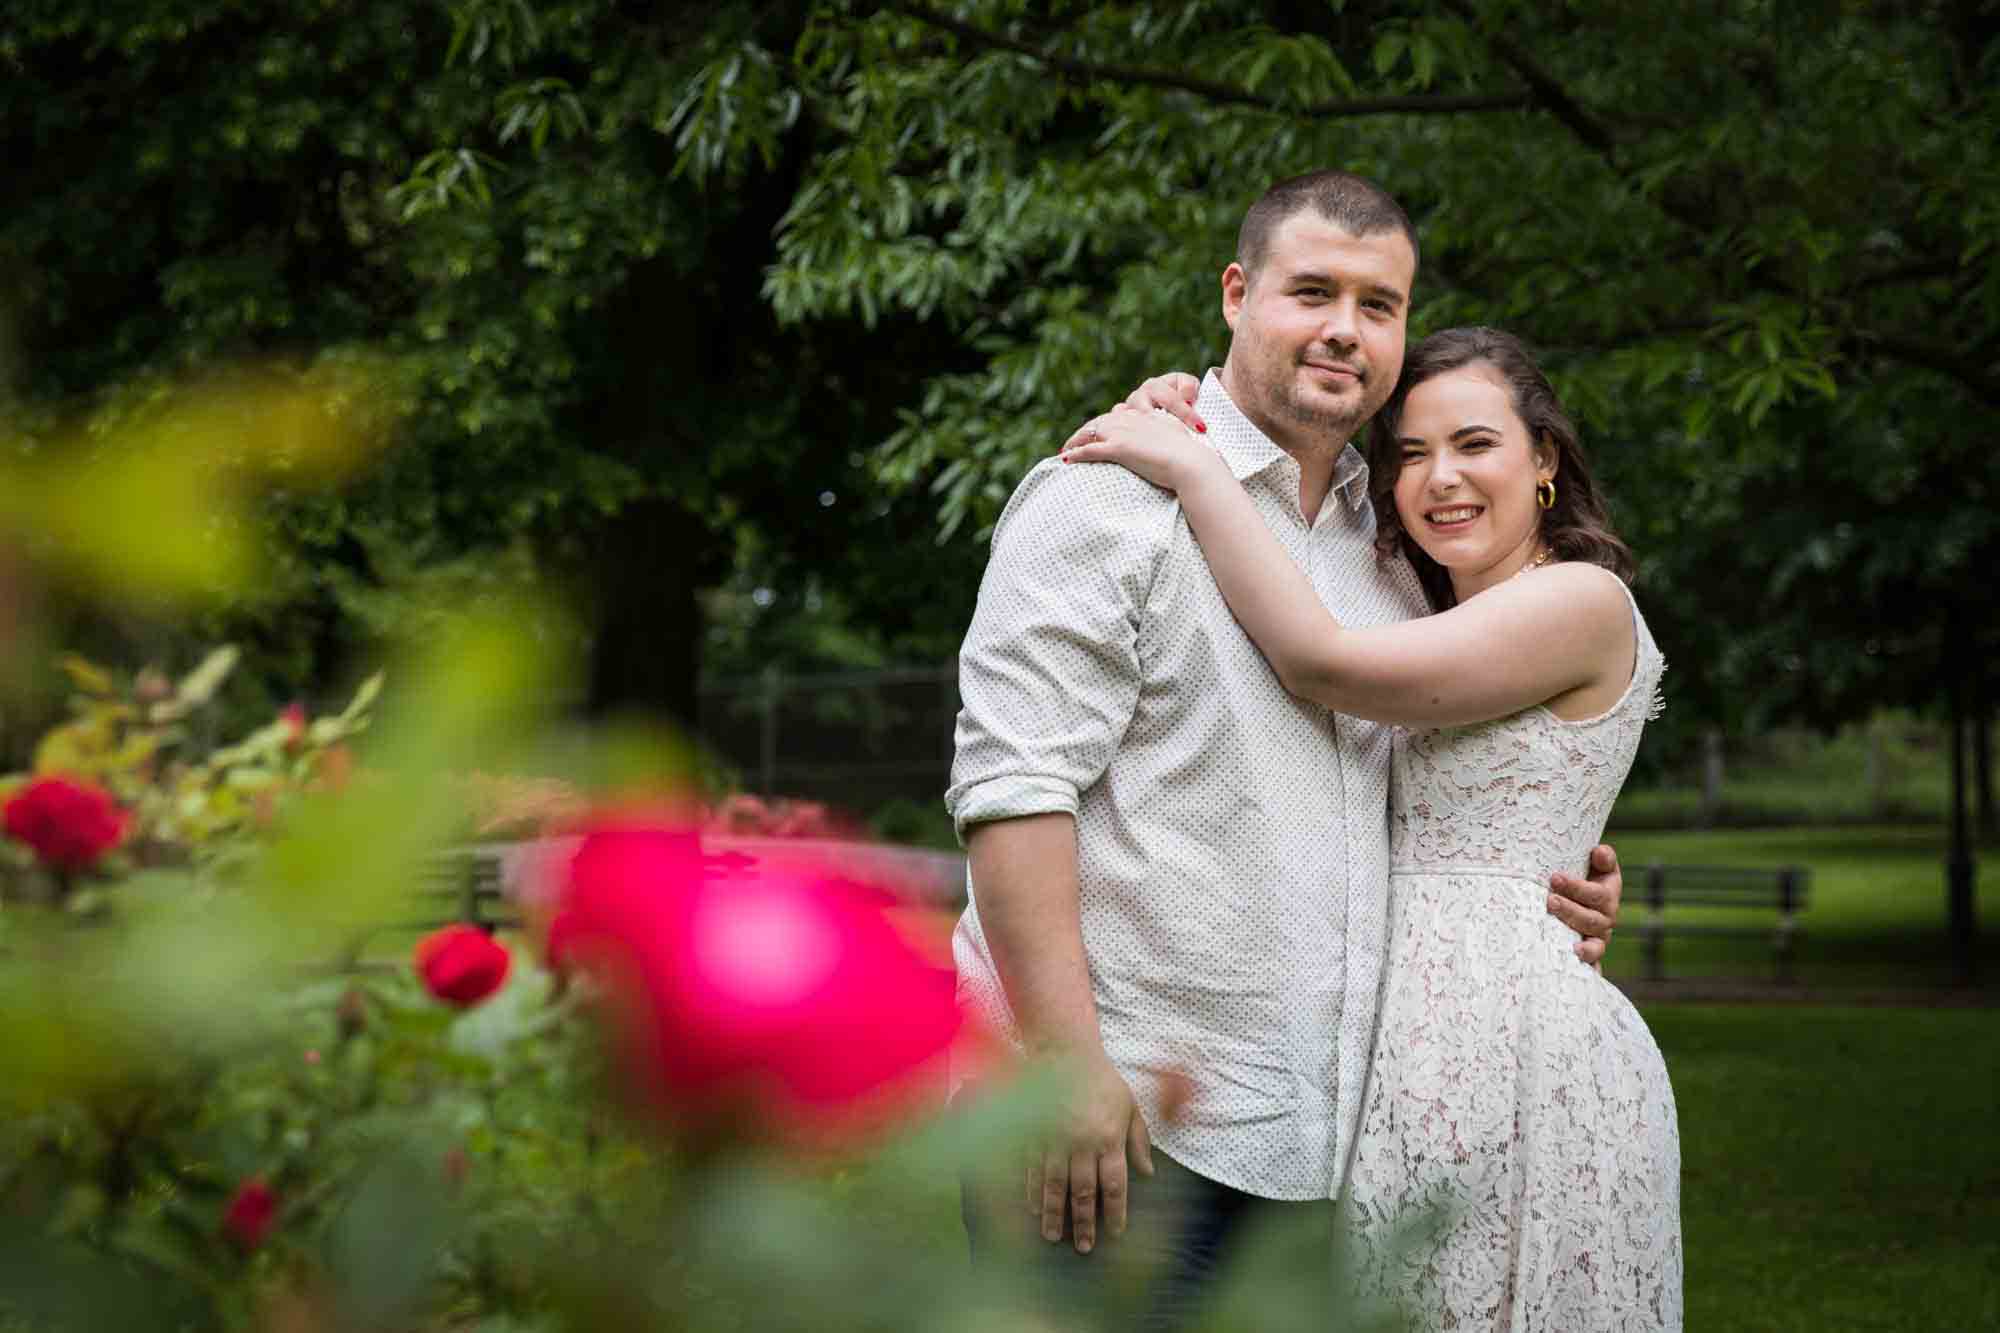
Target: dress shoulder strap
{"type": "Point", "coordinates": [1649, 664]}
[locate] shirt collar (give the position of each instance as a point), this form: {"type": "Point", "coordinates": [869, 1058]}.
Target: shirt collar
{"type": "Point", "coordinates": [1249, 451]}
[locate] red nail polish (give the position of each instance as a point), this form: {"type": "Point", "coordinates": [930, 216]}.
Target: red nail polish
{"type": "Point", "coordinates": [1201, 426]}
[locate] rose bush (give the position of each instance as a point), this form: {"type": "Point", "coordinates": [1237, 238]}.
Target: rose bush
{"type": "Point", "coordinates": [346, 1151]}
{"type": "Point", "coordinates": [181, 802]}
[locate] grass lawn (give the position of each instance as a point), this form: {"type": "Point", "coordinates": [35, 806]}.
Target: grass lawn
{"type": "Point", "coordinates": [1891, 768]}
{"type": "Point", "coordinates": [1840, 1168]}
{"type": "Point", "coordinates": [1876, 915]}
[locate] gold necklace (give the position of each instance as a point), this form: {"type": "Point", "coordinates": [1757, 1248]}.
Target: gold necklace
{"type": "Point", "coordinates": [1548, 554]}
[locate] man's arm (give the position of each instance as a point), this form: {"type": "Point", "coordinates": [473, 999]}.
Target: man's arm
{"type": "Point", "coordinates": [1049, 677]}
{"type": "Point", "coordinates": [1024, 872]}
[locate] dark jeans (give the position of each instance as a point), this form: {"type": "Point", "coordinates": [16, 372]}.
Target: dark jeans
{"type": "Point", "coordinates": [1156, 1277]}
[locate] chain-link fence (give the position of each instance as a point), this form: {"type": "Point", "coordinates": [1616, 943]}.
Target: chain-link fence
{"type": "Point", "coordinates": [856, 739]}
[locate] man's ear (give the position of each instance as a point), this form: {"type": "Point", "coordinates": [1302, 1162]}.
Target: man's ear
{"type": "Point", "coordinates": [1235, 288]}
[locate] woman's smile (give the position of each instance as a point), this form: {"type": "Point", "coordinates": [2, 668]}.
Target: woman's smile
{"type": "Point", "coordinates": [1453, 519]}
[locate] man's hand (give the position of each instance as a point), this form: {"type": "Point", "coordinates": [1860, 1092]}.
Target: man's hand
{"type": "Point", "coordinates": [1173, 392]}
{"type": "Point", "coordinates": [1590, 906]}
{"type": "Point", "coordinates": [1088, 1168]}
{"type": "Point", "coordinates": [1025, 869]}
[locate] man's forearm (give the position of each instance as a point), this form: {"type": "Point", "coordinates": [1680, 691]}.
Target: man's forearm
{"type": "Point", "coordinates": [1024, 876]}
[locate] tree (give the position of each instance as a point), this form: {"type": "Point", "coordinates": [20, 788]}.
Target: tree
{"type": "Point", "coordinates": [592, 392]}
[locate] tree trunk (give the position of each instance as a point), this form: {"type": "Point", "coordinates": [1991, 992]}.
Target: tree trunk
{"type": "Point", "coordinates": [1875, 773]}
{"type": "Point", "coordinates": [1982, 750]}
{"type": "Point", "coordinates": [1711, 776]}
{"type": "Point", "coordinates": [645, 566]}
{"type": "Point", "coordinates": [646, 654]}
{"type": "Point", "coordinates": [1959, 866]}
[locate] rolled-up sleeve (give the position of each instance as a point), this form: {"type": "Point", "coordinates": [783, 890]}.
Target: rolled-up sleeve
{"type": "Point", "coordinates": [1049, 673]}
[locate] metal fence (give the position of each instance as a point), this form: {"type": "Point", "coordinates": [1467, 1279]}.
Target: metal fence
{"type": "Point", "coordinates": [856, 739]}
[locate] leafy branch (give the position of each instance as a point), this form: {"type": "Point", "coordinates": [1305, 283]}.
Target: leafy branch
{"type": "Point", "coordinates": [1090, 71]}
{"type": "Point", "coordinates": [1550, 95]}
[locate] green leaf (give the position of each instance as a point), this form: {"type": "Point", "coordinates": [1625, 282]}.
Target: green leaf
{"type": "Point", "coordinates": [1388, 53]}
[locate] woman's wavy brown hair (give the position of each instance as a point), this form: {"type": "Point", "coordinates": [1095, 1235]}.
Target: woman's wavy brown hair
{"type": "Point", "coordinates": [1576, 528]}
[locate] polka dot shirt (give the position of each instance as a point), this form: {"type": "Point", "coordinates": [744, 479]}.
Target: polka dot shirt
{"type": "Point", "coordinates": [1232, 840]}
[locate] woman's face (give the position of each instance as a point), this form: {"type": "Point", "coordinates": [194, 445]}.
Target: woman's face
{"type": "Point", "coordinates": [1466, 488]}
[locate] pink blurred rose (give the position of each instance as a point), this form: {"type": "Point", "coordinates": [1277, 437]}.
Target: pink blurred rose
{"type": "Point", "coordinates": [785, 986]}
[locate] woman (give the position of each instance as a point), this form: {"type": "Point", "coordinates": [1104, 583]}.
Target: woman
{"type": "Point", "coordinates": [1512, 1086]}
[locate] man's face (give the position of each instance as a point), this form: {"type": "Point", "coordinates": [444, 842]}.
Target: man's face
{"type": "Point", "coordinates": [1318, 334]}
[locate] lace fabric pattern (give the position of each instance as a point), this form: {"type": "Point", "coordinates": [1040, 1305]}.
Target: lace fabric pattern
{"type": "Point", "coordinates": [1514, 1092]}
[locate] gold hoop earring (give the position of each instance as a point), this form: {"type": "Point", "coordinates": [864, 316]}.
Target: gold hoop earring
{"type": "Point", "coordinates": [1545, 492]}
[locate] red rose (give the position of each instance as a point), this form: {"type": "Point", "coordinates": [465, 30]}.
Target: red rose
{"type": "Point", "coordinates": [783, 985]}
{"type": "Point", "coordinates": [69, 824]}
{"type": "Point", "coordinates": [294, 717]}
{"type": "Point", "coordinates": [251, 1213]}
{"type": "Point", "coordinates": [462, 964]}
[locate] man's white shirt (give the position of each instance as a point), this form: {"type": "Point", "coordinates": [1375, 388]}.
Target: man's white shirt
{"type": "Point", "coordinates": [1232, 840]}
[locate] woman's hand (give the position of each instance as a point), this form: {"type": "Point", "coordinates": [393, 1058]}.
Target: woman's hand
{"type": "Point", "coordinates": [1153, 444]}
{"type": "Point", "coordinates": [1175, 392]}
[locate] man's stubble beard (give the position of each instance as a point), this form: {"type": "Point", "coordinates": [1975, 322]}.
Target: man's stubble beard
{"type": "Point", "coordinates": [1336, 425]}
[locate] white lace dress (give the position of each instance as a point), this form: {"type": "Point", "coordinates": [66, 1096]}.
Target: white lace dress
{"type": "Point", "coordinates": [1511, 1084]}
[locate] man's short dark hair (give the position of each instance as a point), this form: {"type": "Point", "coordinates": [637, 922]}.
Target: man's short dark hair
{"type": "Point", "coordinates": [1352, 202]}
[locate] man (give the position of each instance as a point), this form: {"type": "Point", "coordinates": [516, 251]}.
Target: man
{"type": "Point", "coordinates": [1178, 871]}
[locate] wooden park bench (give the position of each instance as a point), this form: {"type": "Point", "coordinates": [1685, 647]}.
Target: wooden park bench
{"type": "Point", "coordinates": [479, 883]}
{"type": "Point", "coordinates": [468, 884]}
{"type": "Point", "coordinates": [1782, 890]}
